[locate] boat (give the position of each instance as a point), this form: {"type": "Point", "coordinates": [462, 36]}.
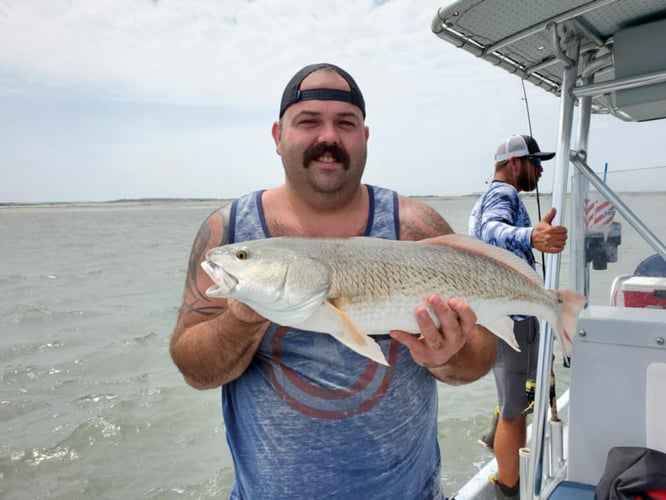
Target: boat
{"type": "Point", "coordinates": [597, 57]}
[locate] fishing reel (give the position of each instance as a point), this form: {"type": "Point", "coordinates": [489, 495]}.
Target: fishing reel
{"type": "Point", "coordinates": [530, 389]}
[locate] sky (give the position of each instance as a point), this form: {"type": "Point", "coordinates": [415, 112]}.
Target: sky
{"type": "Point", "coordinates": [122, 99]}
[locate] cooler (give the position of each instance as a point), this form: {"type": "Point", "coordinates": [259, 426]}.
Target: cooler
{"type": "Point", "coordinates": [644, 291]}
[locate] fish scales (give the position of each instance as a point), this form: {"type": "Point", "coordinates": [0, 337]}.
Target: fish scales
{"type": "Point", "coordinates": [361, 272]}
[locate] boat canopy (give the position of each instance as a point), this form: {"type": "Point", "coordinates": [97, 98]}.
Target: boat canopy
{"type": "Point", "coordinates": [532, 42]}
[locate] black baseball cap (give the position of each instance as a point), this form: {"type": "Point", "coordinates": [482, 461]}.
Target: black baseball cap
{"type": "Point", "coordinates": [293, 94]}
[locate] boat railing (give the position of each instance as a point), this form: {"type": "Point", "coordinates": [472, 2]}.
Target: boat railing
{"type": "Point", "coordinates": [577, 158]}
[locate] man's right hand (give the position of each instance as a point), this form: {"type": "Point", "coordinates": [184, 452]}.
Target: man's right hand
{"type": "Point", "coordinates": [548, 238]}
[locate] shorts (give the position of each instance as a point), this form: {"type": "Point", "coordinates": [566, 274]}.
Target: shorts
{"type": "Point", "coordinates": [513, 369]}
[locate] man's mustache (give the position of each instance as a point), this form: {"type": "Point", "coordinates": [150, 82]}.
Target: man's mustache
{"type": "Point", "coordinates": [317, 150]}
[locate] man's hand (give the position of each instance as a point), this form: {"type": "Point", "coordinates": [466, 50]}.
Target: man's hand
{"type": "Point", "coordinates": [436, 346]}
{"type": "Point", "coordinates": [244, 312]}
{"type": "Point", "coordinates": [548, 238]}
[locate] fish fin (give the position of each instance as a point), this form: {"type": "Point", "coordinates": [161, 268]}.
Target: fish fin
{"type": "Point", "coordinates": [500, 255]}
{"type": "Point", "coordinates": [503, 328]}
{"type": "Point", "coordinates": [572, 303]}
{"type": "Point", "coordinates": [352, 336]}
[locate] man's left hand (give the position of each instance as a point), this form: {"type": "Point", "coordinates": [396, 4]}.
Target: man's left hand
{"type": "Point", "coordinates": [436, 346]}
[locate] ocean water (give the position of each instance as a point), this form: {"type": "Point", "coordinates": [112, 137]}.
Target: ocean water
{"type": "Point", "coordinates": [91, 405]}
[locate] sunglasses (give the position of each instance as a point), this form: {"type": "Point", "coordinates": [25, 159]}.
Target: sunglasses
{"type": "Point", "coordinates": [535, 159]}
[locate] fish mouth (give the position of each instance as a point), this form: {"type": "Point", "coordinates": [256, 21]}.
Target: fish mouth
{"type": "Point", "coordinates": [223, 281]}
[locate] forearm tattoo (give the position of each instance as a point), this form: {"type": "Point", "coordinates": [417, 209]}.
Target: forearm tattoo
{"type": "Point", "coordinates": [195, 299]}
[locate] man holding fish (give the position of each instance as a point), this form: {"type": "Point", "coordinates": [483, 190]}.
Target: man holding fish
{"type": "Point", "coordinates": [500, 218]}
{"type": "Point", "coordinates": [305, 416]}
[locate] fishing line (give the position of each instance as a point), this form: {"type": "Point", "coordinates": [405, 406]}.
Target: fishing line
{"type": "Point", "coordinates": [538, 195]}
{"type": "Point", "coordinates": [621, 171]}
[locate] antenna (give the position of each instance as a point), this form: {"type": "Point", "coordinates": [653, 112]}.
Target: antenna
{"type": "Point", "coordinates": [538, 196]}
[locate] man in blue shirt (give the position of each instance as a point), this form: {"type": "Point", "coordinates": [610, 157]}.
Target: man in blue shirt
{"type": "Point", "coordinates": [500, 218]}
{"type": "Point", "coordinates": [305, 416]}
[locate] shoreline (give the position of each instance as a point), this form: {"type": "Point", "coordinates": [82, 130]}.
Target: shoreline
{"type": "Point", "coordinates": [165, 202]}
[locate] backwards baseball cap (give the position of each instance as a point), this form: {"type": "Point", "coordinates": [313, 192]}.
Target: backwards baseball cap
{"type": "Point", "coordinates": [293, 94]}
{"type": "Point", "coordinates": [519, 146]}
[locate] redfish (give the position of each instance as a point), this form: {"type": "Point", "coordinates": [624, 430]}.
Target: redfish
{"type": "Point", "coordinates": [353, 288]}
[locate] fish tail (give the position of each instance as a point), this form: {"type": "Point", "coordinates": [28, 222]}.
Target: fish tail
{"type": "Point", "coordinates": [571, 304]}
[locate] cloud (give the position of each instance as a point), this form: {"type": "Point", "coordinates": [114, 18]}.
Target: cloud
{"type": "Point", "coordinates": [136, 98]}
{"type": "Point", "coordinates": [192, 47]}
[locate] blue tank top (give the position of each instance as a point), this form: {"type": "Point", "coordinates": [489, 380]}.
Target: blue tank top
{"type": "Point", "coordinates": [311, 419]}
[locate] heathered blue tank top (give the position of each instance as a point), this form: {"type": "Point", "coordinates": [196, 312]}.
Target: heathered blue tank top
{"type": "Point", "coordinates": [311, 419]}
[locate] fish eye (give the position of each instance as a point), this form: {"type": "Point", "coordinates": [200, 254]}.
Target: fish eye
{"type": "Point", "coordinates": [241, 254]}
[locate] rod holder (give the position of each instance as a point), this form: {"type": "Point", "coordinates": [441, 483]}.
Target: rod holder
{"type": "Point", "coordinates": [556, 446]}
{"type": "Point", "coordinates": [526, 479]}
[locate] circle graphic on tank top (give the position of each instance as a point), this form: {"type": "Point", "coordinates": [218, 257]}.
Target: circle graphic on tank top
{"type": "Point", "coordinates": [342, 388]}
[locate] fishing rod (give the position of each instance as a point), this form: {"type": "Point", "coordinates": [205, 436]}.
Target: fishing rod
{"type": "Point", "coordinates": [530, 388]}
{"type": "Point", "coordinates": [538, 194]}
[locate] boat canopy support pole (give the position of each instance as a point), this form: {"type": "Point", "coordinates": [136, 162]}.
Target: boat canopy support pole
{"type": "Point", "coordinates": [566, 39]}
{"type": "Point", "coordinates": [629, 82]}
{"type": "Point", "coordinates": [579, 271]}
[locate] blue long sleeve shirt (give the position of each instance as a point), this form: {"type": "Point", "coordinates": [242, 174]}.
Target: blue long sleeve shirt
{"type": "Point", "coordinates": [499, 217]}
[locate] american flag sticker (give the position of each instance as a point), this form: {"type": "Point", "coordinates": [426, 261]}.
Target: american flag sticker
{"type": "Point", "coordinates": [599, 213]}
